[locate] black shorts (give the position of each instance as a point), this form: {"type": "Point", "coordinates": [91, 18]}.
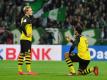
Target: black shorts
{"type": "Point", "coordinates": [82, 63]}
{"type": "Point", "coordinates": [25, 46]}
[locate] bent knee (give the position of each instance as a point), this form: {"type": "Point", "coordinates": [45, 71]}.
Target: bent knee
{"type": "Point", "coordinates": [66, 55]}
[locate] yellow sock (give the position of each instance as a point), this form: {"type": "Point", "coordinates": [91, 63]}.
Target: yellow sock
{"type": "Point", "coordinates": [91, 69]}
{"type": "Point", "coordinates": [28, 67]}
{"type": "Point", "coordinates": [70, 65]}
{"type": "Point", "coordinates": [20, 68]}
{"type": "Point", "coordinates": [71, 69]}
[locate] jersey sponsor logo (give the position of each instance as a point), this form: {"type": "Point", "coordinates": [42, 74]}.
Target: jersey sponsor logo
{"type": "Point", "coordinates": [24, 20]}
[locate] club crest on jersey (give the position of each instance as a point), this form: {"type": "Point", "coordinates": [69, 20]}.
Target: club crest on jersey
{"type": "Point", "coordinates": [24, 20]}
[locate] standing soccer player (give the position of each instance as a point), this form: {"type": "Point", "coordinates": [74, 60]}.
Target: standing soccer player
{"type": "Point", "coordinates": [25, 41]}
{"type": "Point", "coordinates": [83, 55]}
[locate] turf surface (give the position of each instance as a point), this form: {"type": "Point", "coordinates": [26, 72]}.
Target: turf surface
{"type": "Point", "coordinates": [49, 70]}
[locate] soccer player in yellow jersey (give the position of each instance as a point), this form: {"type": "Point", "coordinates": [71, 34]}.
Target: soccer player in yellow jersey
{"type": "Point", "coordinates": [82, 57]}
{"type": "Point", "coordinates": [25, 41]}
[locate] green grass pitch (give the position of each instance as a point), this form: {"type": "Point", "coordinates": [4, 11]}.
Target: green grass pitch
{"type": "Point", "coordinates": [49, 70]}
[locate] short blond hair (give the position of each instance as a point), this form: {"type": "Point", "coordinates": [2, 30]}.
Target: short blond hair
{"type": "Point", "coordinates": [25, 9]}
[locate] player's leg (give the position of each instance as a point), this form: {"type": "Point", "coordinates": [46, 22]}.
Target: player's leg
{"type": "Point", "coordinates": [20, 63]}
{"type": "Point", "coordinates": [28, 62]}
{"type": "Point", "coordinates": [83, 70]}
{"type": "Point", "coordinates": [28, 56]}
{"type": "Point", "coordinates": [69, 60]}
{"type": "Point", "coordinates": [83, 67]}
{"type": "Point", "coordinates": [21, 58]}
{"type": "Point", "coordinates": [1, 57]}
{"type": "Point", "coordinates": [90, 70]}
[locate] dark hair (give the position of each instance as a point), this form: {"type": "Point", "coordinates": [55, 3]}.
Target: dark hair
{"type": "Point", "coordinates": [78, 29]}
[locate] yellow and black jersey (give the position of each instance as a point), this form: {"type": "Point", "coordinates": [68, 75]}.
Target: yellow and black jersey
{"type": "Point", "coordinates": [26, 28]}
{"type": "Point", "coordinates": [82, 47]}
{"type": "Point", "coordinates": [81, 43]}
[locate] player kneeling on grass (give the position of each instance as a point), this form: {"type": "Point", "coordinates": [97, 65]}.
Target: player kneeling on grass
{"type": "Point", "coordinates": [83, 55]}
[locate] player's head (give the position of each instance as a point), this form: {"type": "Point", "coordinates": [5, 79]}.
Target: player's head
{"type": "Point", "coordinates": [27, 10]}
{"type": "Point", "coordinates": [77, 30]}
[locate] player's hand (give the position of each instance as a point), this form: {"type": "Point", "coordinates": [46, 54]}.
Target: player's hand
{"type": "Point", "coordinates": [29, 35]}
{"type": "Point", "coordinates": [68, 38]}
{"type": "Point", "coordinates": [72, 54]}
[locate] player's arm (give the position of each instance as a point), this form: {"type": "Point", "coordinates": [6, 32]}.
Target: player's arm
{"type": "Point", "coordinates": [75, 43]}
{"type": "Point", "coordinates": [33, 20]}
{"type": "Point", "coordinates": [23, 26]}
{"type": "Point", "coordinates": [69, 39]}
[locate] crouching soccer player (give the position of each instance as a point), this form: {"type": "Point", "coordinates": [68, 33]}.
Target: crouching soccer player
{"type": "Point", "coordinates": [83, 55]}
{"type": "Point", "coordinates": [25, 41]}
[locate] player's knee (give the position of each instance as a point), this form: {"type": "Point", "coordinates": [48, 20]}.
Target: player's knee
{"type": "Point", "coordinates": [80, 71]}
{"type": "Point", "coordinates": [66, 55]}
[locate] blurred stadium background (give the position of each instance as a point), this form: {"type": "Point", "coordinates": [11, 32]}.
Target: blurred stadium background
{"type": "Point", "coordinates": [53, 21]}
